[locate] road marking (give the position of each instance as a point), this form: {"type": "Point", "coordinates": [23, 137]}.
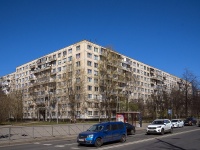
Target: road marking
{"type": "Point", "coordinates": [140, 141]}
{"type": "Point", "coordinates": [37, 143]}
{"type": "Point", "coordinates": [47, 144]}
{"type": "Point", "coordinates": [75, 148]}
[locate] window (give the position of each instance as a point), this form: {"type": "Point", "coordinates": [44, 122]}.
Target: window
{"type": "Point", "coordinates": [78, 80]}
{"type": "Point", "coordinates": [96, 89]}
{"type": "Point", "coordinates": [59, 69]}
{"type": "Point", "coordinates": [69, 51]}
{"type": "Point", "coordinates": [78, 88]}
{"type": "Point", "coordinates": [78, 55]}
{"type": "Point", "coordinates": [59, 62]}
{"type": "Point", "coordinates": [89, 96]}
{"type": "Point", "coordinates": [89, 63]}
{"type": "Point", "coordinates": [96, 73]}
{"type": "Point", "coordinates": [59, 55]}
{"type": "Point", "coordinates": [89, 55]}
{"type": "Point", "coordinates": [96, 112]}
{"type": "Point", "coordinates": [89, 79]}
{"type": "Point", "coordinates": [95, 80]}
{"type": "Point", "coordinates": [89, 71]}
{"type": "Point", "coordinates": [64, 60]}
{"type": "Point", "coordinates": [114, 127]}
{"type": "Point", "coordinates": [64, 53]}
{"type": "Point", "coordinates": [70, 58]}
{"type": "Point", "coordinates": [89, 47]}
{"type": "Point", "coordinates": [78, 64]}
{"type": "Point", "coordinates": [78, 71]}
{"type": "Point", "coordinates": [89, 113]}
{"type": "Point", "coordinates": [54, 56]}
{"type": "Point", "coordinates": [96, 57]}
{"type": "Point", "coordinates": [95, 49]}
{"type": "Point", "coordinates": [96, 65]}
{"type": "Point", "coordinates": [78, 47]}
{"type": "Point", "coordinates": [59, 76]}
{"type": "Point", "coordinates": [89, 88]}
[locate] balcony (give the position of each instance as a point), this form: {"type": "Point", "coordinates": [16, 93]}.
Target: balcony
{"type": "Point", "coordinates": [52, 59]}
{"type": "Point", "coordinates": [32, 78]}
{"type": "Point", "coordinates": [53, 73]}
{"type": "Point", "coordinates": [32, 66]}
{"type": "Point", "coordinates": [41, 70]}
{"type": "Point", "coordinates": [157, 78]}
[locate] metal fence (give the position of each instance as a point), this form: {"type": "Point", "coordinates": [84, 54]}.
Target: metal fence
{"type": "Point", "coordinates": [32, 132]}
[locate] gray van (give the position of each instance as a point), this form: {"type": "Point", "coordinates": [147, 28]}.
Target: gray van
{"type": "Point", "coordinates": [103, 132]}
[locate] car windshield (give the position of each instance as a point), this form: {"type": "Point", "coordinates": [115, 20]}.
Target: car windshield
{"type": "Point", "coordinates": [174, 120]}
{"type": "Point", "coordinates": [158, 122]}
{"type": "Point", "coordinates": [96, 128]}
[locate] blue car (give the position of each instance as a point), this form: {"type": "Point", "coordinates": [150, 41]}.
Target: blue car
{"type": "Point", "coordinates": [103, 132]}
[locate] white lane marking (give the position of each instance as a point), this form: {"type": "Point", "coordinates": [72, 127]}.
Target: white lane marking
{"type": "Point", "coordinates": [37, 143]}
{"type": "Point", "coordinates": [75, 148]}
{"type": "Point", "coordinates": [60, 146]}
{"type": "Point", "coordinates": [47, 144]}
{"type": "Point", "coordinates": [140, 141]}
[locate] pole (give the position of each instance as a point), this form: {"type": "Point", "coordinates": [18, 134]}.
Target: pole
{"type": "Point", "coordinates": [57, 111]}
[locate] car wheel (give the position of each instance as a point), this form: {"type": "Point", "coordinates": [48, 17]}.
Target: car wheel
{"type": "Point", "coordinates": [123, 138]}
{"type": "Point", "coordinates": [132, 132]}
{"type": "Point", "coordinates": [98, 142]}
{"type": "Point", "coordinates": [162, 132]}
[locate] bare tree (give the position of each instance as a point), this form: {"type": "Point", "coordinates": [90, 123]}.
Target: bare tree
{"type": "Point", "coordinates": [75, 88]}
{"type": "Point", "coordinates": [108, 76]}
{"type": "Point", "coordinates": [186, 85]}
{"type": "Point", "coordinates": [16, 105]}
{"type": "Point", "coordinates": [4, 105]}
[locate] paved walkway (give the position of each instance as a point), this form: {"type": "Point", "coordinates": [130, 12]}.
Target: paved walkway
{"type": "Point", "coordinates": [22, 135]}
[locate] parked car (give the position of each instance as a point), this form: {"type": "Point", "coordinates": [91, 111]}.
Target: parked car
{"type": "Point", "coordinates": [101, 133]}
{"type": "Point", "coordinates": [130, 129]}
{"type": "Point", "coordinates": [160, 126]}
{"type": "Point", "coordinates": [190, 121]}
{"type": "Point", "coordinates": [177, 123]}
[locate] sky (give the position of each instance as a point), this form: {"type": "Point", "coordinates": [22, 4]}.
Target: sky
{"type": "Point", "coordinates": [164, 34]}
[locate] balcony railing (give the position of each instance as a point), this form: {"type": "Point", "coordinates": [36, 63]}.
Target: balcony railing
{"type": "Point", "coordinates": [43, 69]}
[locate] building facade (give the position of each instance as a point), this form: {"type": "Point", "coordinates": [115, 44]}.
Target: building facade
{"type": "Point", "coordinates": [45, 82]}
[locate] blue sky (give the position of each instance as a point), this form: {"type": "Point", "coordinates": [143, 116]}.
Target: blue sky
{"type": "Point", "coordinates": [162, 33]}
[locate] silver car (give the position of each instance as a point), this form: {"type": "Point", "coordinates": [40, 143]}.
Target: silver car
{"type": "Point", "coordinates": [177, 123]}
{"type": "Point", "coordinates": [160, 126]}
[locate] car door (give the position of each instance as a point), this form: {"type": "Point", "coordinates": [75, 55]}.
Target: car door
{"type": "Point", "coordinates": [107, 133]}
{"type": "Point", "coordinates": [115, 132]}
{"type": "Point", "coordinates": [167, 125]}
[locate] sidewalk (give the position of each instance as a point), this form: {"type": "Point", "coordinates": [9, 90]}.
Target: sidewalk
{"type": "Point", "coordinates": [26, 140]}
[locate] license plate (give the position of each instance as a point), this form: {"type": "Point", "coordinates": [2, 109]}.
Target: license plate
{"type": "Point", "coordinates": [81, 139]}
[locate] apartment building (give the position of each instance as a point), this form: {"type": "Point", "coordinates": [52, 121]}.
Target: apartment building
{"type": "Point", "coordinates": [43, 81]}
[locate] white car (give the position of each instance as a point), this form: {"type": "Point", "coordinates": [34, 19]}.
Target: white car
{"type": "Point", "coordinates": [177, 123]}
{"type": "Point", "coordinates": [160, 126]}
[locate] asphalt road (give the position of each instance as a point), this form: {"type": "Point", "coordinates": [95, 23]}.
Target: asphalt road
{"type": "Point", "coordinates": [186, 138]}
